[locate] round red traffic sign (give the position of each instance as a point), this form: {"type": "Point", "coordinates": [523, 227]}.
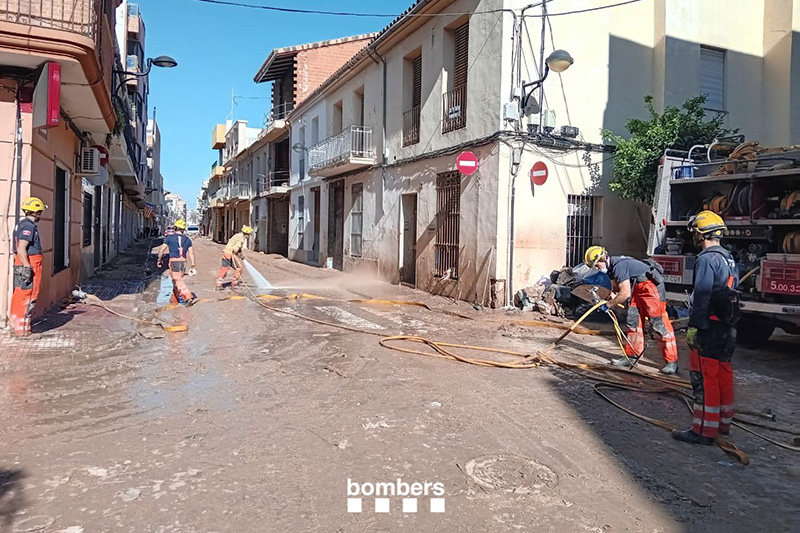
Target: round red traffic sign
{"type": "Point", "coordinates": [539, 173]}
{"type": "Point", "coordinates": [467, 163]}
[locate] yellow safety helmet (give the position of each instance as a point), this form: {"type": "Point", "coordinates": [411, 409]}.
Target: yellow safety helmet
{"type": "Point", "coordinates": [707, 223]}
{"type": "Point", "coordinates": [180, 224]}
{"type": "Point", "coordinates": [247, 230]}
{"type": "Point", "coordinates": [33, 205]}
{"type": "Point", "coordinates": [594, 254]}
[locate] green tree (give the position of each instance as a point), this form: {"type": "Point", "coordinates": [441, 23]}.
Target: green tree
{"type": "Point", "coordinates": [637, 158]}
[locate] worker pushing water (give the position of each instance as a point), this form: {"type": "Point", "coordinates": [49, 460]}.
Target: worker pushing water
{"type": "Point", "coordinates": [233, 257]}
{"type": "Point", "coordinates": [180, 249]}
{"type": "Point", "coordinates": [642, 286]}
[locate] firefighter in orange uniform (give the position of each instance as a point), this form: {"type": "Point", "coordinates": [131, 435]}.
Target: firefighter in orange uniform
{"type": "Point", "coordinates": [27, 267]}
{"type": "Point", "coordinates": [180, 249]}
{"type": "Point", "coordinates": [642, 284]}
{"type": "Point", "coordinates": [233, 257]}
{"type": "Point", "coordinates": [712, 334]}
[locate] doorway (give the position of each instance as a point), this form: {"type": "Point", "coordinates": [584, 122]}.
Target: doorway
{"type": "Point", "coordinates": [336, 225]}
{"type": "Point", "coordinates": [61, 221]}
{"type": "Point", "coordinates": [315, 193]}
{"type": "Point", "coordinates": [408, 247]}
{"type": "Point", "coordinates": [97, 217]}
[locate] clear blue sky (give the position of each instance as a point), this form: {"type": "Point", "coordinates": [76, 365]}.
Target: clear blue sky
{"type": "Point", "coordinates": [219, 48]}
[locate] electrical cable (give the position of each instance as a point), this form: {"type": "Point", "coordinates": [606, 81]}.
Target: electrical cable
{"type": "Point", "coordinates": [231, 3]}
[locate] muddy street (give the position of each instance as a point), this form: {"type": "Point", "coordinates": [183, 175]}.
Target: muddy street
{"type": "Point", "coordinates": [255, 420]}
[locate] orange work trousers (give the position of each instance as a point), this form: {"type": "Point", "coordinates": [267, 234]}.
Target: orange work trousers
{"type": "Point", "coordinates": [25, 295]}
{"type": "Point", "coordinates": [229, 261]}
{"type": "Point", "coordinates": [646, 303]}
{"type": "Point", "coordinates": [177, 268]}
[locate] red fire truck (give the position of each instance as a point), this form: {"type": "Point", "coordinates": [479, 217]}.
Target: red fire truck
{"type": "Point", "coordinates": [757, 193]}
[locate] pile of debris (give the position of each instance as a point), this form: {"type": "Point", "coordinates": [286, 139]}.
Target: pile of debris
{"type": "Point", "coordinates": [553, 295]}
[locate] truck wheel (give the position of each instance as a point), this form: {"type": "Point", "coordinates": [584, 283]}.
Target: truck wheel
{"type": "Point", "coordinates": [753, 333]}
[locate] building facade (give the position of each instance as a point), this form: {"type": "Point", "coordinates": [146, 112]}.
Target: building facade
{"type": "Point", "coordinates": [374, 186]}
{"type": "Point", "coordinates": [68, 139]}
{"type": "Point", "coordinates": [249, 180]}
{"type": "Point", "coordinates": [155, 204]}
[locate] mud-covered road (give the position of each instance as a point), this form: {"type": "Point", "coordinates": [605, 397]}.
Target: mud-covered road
{"type": "Point", "coordinates": [258, 421]}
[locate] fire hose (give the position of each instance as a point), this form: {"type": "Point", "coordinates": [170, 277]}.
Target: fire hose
{"type": "Point", "coordinates": [605, 376]}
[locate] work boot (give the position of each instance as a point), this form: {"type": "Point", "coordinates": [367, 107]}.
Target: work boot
{"type": "Point", "coordinates": [219, 285]}
{"type": "Point", "coordinates": [624, 362]}
{"type": "Point", "coordinates": [671, 368]}
{"type": "Point", "coordinates": [191, 301]}
{"type": "Point", "coordinates": [687, 435]}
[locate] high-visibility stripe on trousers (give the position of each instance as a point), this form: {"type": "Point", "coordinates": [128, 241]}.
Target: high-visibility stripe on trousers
{"type": "Point", "coordinates": [711, 375]}
{"type": "Point", "coordinates": [228, 261]}
{"type": "Point", "coordinates": [177, 268]}
{"type": "Point", "coordinates": [646, 304]}
{"type": "Point", "coordinates": [24, 298]}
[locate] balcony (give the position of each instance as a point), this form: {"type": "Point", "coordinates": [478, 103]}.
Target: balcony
{"type": "Point", "coordinates": [411, 126]}
{"type": "Point", "coordinates": [218, 137]}
{"type": "Point", "coordinates": [236, 191]}
{"type": "Point", "coordinates": [350, 150]}
{"type": "Point", "coordinates": [134, 20]}
{"type": "Point", "coordinates": [132, 66]}
{"type": "Point", "coordinates": [454, 109]}
{"type": "Point", "coordinates": [77, 16]}
{"type": "Point", "coordinates": [217, 171]}
{"type": "Point", "coordinates": [275, 121]}
{"type": "Point", "coordinates": [274, 184]}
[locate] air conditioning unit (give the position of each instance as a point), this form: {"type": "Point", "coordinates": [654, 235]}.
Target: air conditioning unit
{"type": "Point", "coordinates": [90, 161]}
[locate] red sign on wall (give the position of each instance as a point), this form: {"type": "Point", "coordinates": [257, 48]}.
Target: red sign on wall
{"type": "Point", "coordinates": [47, 96]}
{"type": "Point", "coordinates": [467, 163]}
{"type": "Point", "coordinates": [539, 173]}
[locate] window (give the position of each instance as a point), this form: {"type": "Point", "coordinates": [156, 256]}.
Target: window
{"type": "Point", "coordinates": [411, 117]}
{"type": "Point", "coordinates": [87, 219]}
{"type": "Point", "coordinates": [301, 222]}
{"type": "Point", "coordinates": [356, 219]}
{"type": "Point", "coordinates": [337, 118]}
{"type": "Point", "coordinates": [358, 107]}
{"type": "Point", "coordinates": [61, 195]}
{"type": "Point", "coordinates": [454, 108]}
{"type": "Point", "coordinates": [712, 77]}
{"type": "Point", "coordinates": [448, 204]}
{"type": "Point", "coordinates": [580, 226]}
{"type": "Point", "coordinates": [301, 163]}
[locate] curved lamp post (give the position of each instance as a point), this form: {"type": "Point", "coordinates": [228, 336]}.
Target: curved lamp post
{"type": "Point", "coordinates": [557, 61]}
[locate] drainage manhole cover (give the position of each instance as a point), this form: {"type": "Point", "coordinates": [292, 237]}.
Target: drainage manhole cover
{"type": "Point", "coordinates": [511, 473]}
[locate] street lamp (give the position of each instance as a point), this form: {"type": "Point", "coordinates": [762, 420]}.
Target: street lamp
{"type": "Point", "coordinates": [557, 61]}
{"type": "Point", "coordinates": [160, 61]}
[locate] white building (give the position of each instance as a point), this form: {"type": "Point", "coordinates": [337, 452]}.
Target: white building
{"type": "Point", "coordinates": [374, 185]}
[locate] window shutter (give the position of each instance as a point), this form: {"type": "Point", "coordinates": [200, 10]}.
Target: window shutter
{"type": "Point", "coordinates": [712, 77]}
{"type": "Point", "coordinates": [416, 82]}
{"type": "Point", "coordinates": [461, 35]}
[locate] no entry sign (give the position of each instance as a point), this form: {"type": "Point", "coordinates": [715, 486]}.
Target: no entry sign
{"type": "Point", "coordinates": [467, 163]}
{"type": "Point", "coordinates": [539, 173]}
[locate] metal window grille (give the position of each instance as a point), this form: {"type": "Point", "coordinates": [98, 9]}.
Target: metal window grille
{"type": "Point", "coordinates": [448, 204]}
{"type": "Point", "coordinates": [78, 16]}
{"type": "Point", "coordinates": [356, 219]}
{"type": "Point", "coordinates": [301, 222]}
{"type": "Point", "coordinates": [580, 227]}
{"type": "Point", "coordinates": [712, 77]}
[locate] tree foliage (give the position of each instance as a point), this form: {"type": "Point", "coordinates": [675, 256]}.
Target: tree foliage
{"type": "Point", "coordinates": [637, 158]}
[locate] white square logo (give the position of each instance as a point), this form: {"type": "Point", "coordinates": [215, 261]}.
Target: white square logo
{"type": "Point", "coordinates": [353, 505]}
{"type": "Point", "coordinates": [409, 505]}
{"type": "Point", "coordinates": [437, 505]}
{"type": "Point", "coordinates": [381, 505]}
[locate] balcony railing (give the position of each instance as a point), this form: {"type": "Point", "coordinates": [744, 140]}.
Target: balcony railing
{"type": "Point", "coordinates": [454, 109]}
{"type": "Point", "coordinates": [277, 178]}
{"type": "Point", "coordinates": [354, 142]}
{"type": "Point", "coordinates": [77, 16]}
{"type": "Point", "coordinates": [278, 112]}
{"type": "Point", "coordinates": [411, 126]}
{"type": "Point", "coordinates": [238, 190]}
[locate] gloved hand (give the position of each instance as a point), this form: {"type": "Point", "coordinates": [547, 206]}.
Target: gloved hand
{"type": "Point", "coordinates": [26, 274]}
{"type": "Point", "coordinates": [160, 263]}
{"type": "Point", "coordinates": [691, 338]}
{"type": "Point", "coordinates": [192, 272]}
